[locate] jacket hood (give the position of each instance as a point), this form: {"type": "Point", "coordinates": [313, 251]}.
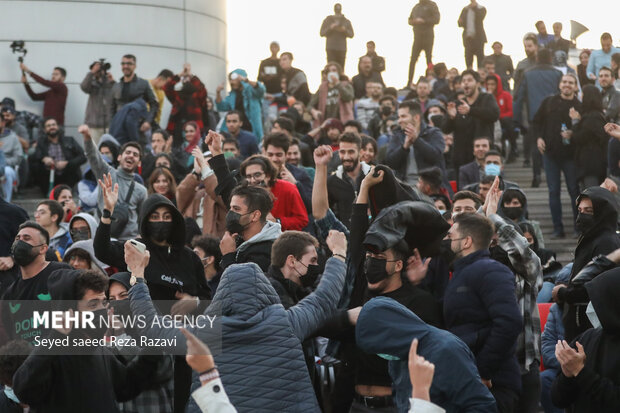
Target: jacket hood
{"type": "Point", "coordinates": [270, 232]}
{"type": "Point", "coordinates": [605, 210]}
{"type": "Point", "coordinates": [603, 292]}
{"type": "Point", "coordinates": [61, 286]}
{"type": "Point", "coordinates": [559, 58]}
{"type": "Point", "coordinates": [240, 72]}
{"type": "Point", "coordinates": [62, 231]}
{"type": "Point", "coordinates": [500, 207]}
{"type": "Point", "coordinates": [153, 202]}
{"type": "Point", "coordinates": [365, 168]}
{"type": "Point", "coordinates": [90, 220]}
{"type": "Point", "coordinates": [385, 326]}
{"type": "Point", "coordinates": [87, 245]}
{"type": "Point", "coordinates": [500, 88]}
{"type": "Point", "coordinates": [106, 137]}
{"type": "Point", "coordinates": [244, 291]}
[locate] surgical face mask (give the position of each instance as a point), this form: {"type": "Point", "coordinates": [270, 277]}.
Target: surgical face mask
{"type": "Point", "coordinates": [596, 323]}
{"type": "Point", "coordinates": [23, 253]}
{"type": "Point", "coordinates": [80, 234]}
{"type": "Point", "coordinates": [312, 273]}
{"type": "Point", "coordinates": [160, 231]}
{"type": "Point", "coordinates": [492, 169]}
{"type": "Point", "coordinates": [8, 391]}
{"type": "Point", "coordinates": [233, 222]}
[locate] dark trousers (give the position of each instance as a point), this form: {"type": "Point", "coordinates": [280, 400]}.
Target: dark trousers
{"type": "Point", "coordinates": [505, 398]}
{"type": "Point", "coordinates": [508, 133]}
{"type": "Point", "coordinates": [337, 56]}
{"type": "Point", "coordinates": [421, 41]}
{"type": "Point", "coordinates": [530, 390]}
{"type": "Point", "coordinates": [530, 151]}
{"type": "Point", "coordinates": [546, 380]}
{"type": "Point", "coordinates": [41, 177]}
{"type": "Point", "coordinates": [473, 48]}
{"type": "Point", "coordinates": [553, 170]}
{"type": "Point", "coordinates": [182, 383]}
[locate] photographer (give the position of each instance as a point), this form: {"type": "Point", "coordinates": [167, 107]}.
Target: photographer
{"type": "Point", "coordinates": [55, 98]}
{"type": "Point", "coordinates": [98, 85]}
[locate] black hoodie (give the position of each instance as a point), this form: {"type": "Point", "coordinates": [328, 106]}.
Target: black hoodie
{"type": "Point", "coordinates": [91, 382]}
{"type": "Point", "coordinates": [170, 269]}
{"type": "Point", "coordinates": [597, 386]}
{"type": "Point", "coordinates": [600, 239]}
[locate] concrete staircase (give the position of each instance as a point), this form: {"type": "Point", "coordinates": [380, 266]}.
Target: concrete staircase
{"type": "Point", "coordinates": [28, 198]}
{"type": "Point", "coordinates": [538, 207]}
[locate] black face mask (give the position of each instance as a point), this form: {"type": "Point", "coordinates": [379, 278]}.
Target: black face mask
{"type": "Point", "coordinates": [233, 224]}
{"type": "Point", "coordinates": [22, 253]}
{"type": "Point", "coordinates": [160, 231]}
{"type": "Point", "coordinates": [584, 222]}
{"type": "Point", "coordinates": [98, 321]}
{"type": "Point", "coordinates": [121, 307]}
{"type": "Point", "coordinates": [374, 269]}
{"type": "Point", "coordinates": [445, 251]}
{"type": "Point", "coordinates": [513, 212]}
{"type": "Point", "coordinates": [386, 110]}
{"type": "Point", "coordinates": [80, 234]}
{"type": "Point", "coordinates": [311, 275]}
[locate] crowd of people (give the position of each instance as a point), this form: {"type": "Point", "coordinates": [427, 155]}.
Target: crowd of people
{"type": "Point", "coordinates": [363, 245]}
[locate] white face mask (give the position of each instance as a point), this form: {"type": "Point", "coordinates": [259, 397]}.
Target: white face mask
{"type": "Point", "coordinates": [592, 316]}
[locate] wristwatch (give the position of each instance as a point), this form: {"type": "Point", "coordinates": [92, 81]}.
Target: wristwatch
{"type": "Point", "coordinates": [135, 280]}
{"type": "Point", "coordinates": [106, 214]}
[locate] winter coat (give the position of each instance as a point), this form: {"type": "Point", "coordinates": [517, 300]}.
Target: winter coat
{"type": "Point", "coordinates": [171, 269]}
{"type": "Point", "coordinates": [480, 14]}
{"type": "Point", "coordinates": [342, 109]}
{"type": "Point", "coordinates": [341, 194]}
{"type": "Point", "coordinates": [504, 100]}
{"type": "Point", "coordinates": [480, 307]}
{"type": "Point", "coordinates": [469, 174]}
{"type": "Point", "coordinates": [553, 331]}
{"type": "Point", "coordinates": [591, 146]}
{"type": "Point", "coordinates": [71, 150]}
{"type": "Point", "coordinates": [428, 11]}
{"type": "Point", "coordinates": [427, 149]}
{"type": "Point", "coordinates": [336, 39]}
{"type": "Point", "coordinates": [61, 240]}
{"type": "Point", "coordinates": [136, 88]}
{"type": "Point", "coordinates": [99, 100]}
{"type": "Point", "coordinates": [263, 367]}
{"type": "Point", "coordinates": [597, 386]}
{"type": "Point", "coordinates": [387, 327]}
{"type": "Point", "coordinates": [252, 104]}
{"type": "Point", "coordinates": [538, 83]}
{"type": "Point", "coordinates": [600, 239]}
{"type": "Point", "coordinates": [190, 194]}
{"type": "Point", "coordinates": [124, 179]}
{"type": "Point", "coordinates": [480, 121]}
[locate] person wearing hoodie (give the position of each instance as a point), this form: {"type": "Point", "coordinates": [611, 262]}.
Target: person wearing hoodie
{"type": "Point", "coordinates": [92, 380]}
{"type": "Point", "coordinates": [504, 101]}
{"type": "Point", "coordinates": [514, 207]}
{"type": "Point", "coordinates": [175, 272]}
{"type": "Point", "coordinates": [263, 367]}
{"type": "Point", "coordinates": [415, 146]}
{"type": "Point", "coordinates": [49, 215]}
{"type": "Point", "coordinates": [81, 256]}
{"type": "Point", "coordinates": [550, 266]}
{"type": "Point", "coordinates": [386, 328]}
{"type": "Point", "coordinates": [245, 96]}
{"type": "Point", "coordinates": [64, 194]}
{"type": "Point", "coordinates": [588, 381]}
{"type": "Point", "coordinates": [129, 160]}
{"type": "Point", "coordinates": [596, 221]}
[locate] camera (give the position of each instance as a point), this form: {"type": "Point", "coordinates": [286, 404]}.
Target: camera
{"type": "Point", "coordinates": [103, 65]}
{"type": "Point", "coordinates": [18, 46]}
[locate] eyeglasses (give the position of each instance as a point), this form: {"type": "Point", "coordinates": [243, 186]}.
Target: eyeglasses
{"type": "Point", "coordinates": [255, 176]}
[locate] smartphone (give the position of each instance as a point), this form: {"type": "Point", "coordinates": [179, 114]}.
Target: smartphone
{"type": "Point", "coordinates": [137, 245]}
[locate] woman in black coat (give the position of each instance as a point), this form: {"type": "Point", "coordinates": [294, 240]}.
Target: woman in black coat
{"type": "Point", "coordinates": [590, 140]}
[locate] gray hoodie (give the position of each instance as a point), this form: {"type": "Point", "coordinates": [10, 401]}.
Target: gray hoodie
{"type": "Point", "coordinates": [87, 245]}
{"type": "Point", "coordinates": [11, 147]}
{"type": "Point", "coordinates": [90, 220]}
{"type": "Point", "coordinates": [124, 179]}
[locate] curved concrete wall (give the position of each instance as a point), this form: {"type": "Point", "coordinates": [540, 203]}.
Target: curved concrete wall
{"type": "Point", "coordinates": [72, 34]}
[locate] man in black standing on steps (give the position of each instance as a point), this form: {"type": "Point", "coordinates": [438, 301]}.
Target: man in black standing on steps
{"type": "Point", "coordinates": [336, 28]}
{"type": "Point", "coordinates": [424, 16]}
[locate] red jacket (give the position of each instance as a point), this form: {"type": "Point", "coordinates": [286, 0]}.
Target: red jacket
{"type": "Point", "coordinates": [55, 98]}
{"type": "Point", "coordinates": [504, 100]}
{"type": "Point", "coordinates": [288, 206]}
{"type": "Point", "coordinates": [183, 110]}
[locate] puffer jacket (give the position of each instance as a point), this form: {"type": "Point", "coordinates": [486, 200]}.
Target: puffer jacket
{"type": "Point", "coordinates": [262, 365]}
{"type": "Point", "coordinates": [386, 327]}
{"type": "Point", "coordinates": [252, 101]}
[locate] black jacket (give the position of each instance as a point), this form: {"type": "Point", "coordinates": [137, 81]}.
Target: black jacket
{"type": "Point", "coordinates": [123, 93]}
{"type": "Point", "coordinates": [428, 11]}
{"type": "Point", "coordinates": [481, 12]}
{"type": "Point", "coordinates": [591, 146]}
{"type": "Point", "coordinates": [469, 174]}
{"type": "Point", "coordinates": [170, 269]}
{"type": "Point", "coordinates": [597, 386]}
{"type": "Point", "coordinates": [72, 151]}
{"type": "Point", "coordinates": [601, 239]}
{"type": "Point", "coordinates": [342, 194]}
{"type": "Point", "coordinates": [479, 122]}
{"type": "Point", "coordinates": [547, 124]}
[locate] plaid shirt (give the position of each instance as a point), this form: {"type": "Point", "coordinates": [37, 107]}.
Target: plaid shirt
{"type": "Point", "coordinates": [529, 282]}
{"type": "Point", "coordinates": [151, 401]}
{"type": "Point", "coordinates": [184, 109]}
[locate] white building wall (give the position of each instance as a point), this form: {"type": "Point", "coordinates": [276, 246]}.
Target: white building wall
{"type": "Point", "coordinates": [162, 34]}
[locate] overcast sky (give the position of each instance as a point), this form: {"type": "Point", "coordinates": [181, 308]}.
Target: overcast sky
{"type": "Point", "coordinates": [295, 24]}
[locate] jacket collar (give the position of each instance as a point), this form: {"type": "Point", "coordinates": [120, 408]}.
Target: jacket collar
{"type": "Point", "coordinates": [364, 169]}
{"type": "Point", "coordinates": [461, 263]}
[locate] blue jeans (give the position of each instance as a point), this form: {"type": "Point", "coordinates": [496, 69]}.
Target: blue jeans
{"type": "Point", "coordinates": [546, 380]}
{"type": "Point", "coordinates": [553, 170]}
{"type": "Point", "coordinates": [7, 185]}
